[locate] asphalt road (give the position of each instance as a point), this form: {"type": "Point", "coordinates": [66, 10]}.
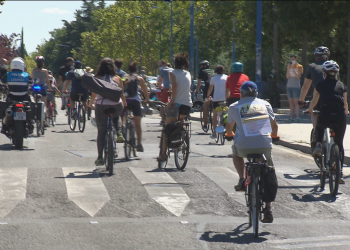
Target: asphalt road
{"type": "Point", "coordinates": [53, 197]}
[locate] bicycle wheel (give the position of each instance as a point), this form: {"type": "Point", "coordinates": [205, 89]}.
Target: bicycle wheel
{"type": "Point", "coordinates": [334, 170]}
{"type": "Point", "coordinates": [133, 141]}
{"type": "Point", "coordinates": [38, 128]}
{"type": "Point", "coordinates": [162, 164]}
{"type": "Point", "coordinates": [248, 194]}
{"type": "Point", "coordinates": [255, 203]}
{"type": "Point", "coordinates": [110, 157]}
{"type": "Point", "coordinates": [210, 117]}
{"type": "Point", "coordinates": [54, 120]}
{"type": "Point", "coordinates": [81, 118]}
{"type": "Point", "coordinates": [73, 121]}
{"type": "Point", "coordinates": [217, 137]}
{"type": "Point", "coordinates": [68, 115]}
{"type": "Point", "coordinates": [205, 129]}
{"type": "Point", "coordinates": [222, 139]}
{"type": "Point", "coordinates": [127, 142]}
{"type": "Point", "coordinates": [181, 153]}
{"type": "Point", "coordinates": [323, 172]}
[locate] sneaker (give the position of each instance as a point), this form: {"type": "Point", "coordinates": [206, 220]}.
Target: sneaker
{"type": "Point", "coordinates": [341, 179]}
{"type": "Point", "coordinates": [297, 120]}
{"type": "Point", "coordinates": [240, 185]}
{"type": "Point", "coordinates": [317, 150]}
{"type": "Point", "coordinates": [268, 217]}
{"type": "Point", "coordinates": [139, 148]}
{"type": "Point", "coordinates": [63, 107]}
{"type": "Point", "coordinates": [99, 162]}
{"type": "Point", "coordinates": [120, 138]}
{"type": "Point", "coordinates": [290, 120]}
{"type": "Point", "coordinates": [213, 136]}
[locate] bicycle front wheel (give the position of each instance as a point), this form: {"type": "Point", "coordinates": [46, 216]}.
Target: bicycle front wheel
{"type": "Point", "coordinates": [205, 129]}
{"type": "Point", "coordinates": [110, 158]}
{"type": "Point", "coordinates": [127, 142]}
{"type": "Point", "coordinates": [255, 203]}
{"type": "Point", "coordinates": [73, 121]}
{"type": "Point", "coordinates": [68, 115]}
{"type": "Point", "coordinates": [38, 128]}
{"type": "Point", "coordinates": [162, 164]}
{"type": "Point", "coordinates": [334, 170]}
{"type": "Point", "coordinates": [222, 138]}
{"type": "Point", "coordinates": [81, 118]}
{"type": "Point", "coordinates": [181, 153]}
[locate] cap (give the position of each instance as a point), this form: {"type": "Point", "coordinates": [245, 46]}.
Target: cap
{"type": "Point", "coordinates": [249, 86]}
{"type": "Point", "coordinates": [77, 62]}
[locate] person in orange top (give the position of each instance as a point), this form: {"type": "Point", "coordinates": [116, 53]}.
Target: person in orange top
{"type": "Point", "coordinates": [294, 71]}
{"type": "Point", "coordinates": [234, 82]}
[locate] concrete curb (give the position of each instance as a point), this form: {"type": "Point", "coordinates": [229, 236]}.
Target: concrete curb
{"type": "Point", "coordinates": [303, 147]}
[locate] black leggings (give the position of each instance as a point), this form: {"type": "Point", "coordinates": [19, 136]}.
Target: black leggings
{"type": "Point", "coordinates": [101, 122]}
{"type": "Point", "coordinates": [338, 126]}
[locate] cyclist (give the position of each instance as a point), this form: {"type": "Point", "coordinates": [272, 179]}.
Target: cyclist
{"type": "Point", "coordinates": [121, 73]}
{"type": "Point", "coordinates": [134, 101]}
{"type": "Point", "coordinates": [331, 97]}
{"type": "Point", "coordinates": [234, 82]}
{"type": "Point", "coordinates": [164, 70]}
{"type": "Point", "coordinates": [106, 70]}
{"type": "Point", "coordinates": [181, 101]}
{"type": "Point", "coordinates": [218, 82]}
{"type": "Point", "coordinates": [76, 87]}
{"type": "Point", "coordinates": [313, 75]}
{"type": "Point", "coordinates": [41, 74]}
{"type": "Point", "coordinates": [247, 114]}
{"type": "Point", "coordinates": [51, 95]}
{"type": "Point", "coordinates": [62, 78]}
{"type": "Point", "coordinates": [204, 76]}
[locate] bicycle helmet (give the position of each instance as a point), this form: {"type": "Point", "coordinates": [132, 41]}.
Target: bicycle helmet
{"type": "Point", "coordinates": [39, 59]}
{"type": "Point", "coordinates": [50, 72]}
{"type": "Point", "coordinates": [17, 63]}
{"type": "Point", "coordinates": [205, 63]}
{"type": "Point", "coordinates": [330, 67]}
{"type": "Point", "coordinates": [237, 67]}
{"type": "Point", "coordinates": [322, 52]}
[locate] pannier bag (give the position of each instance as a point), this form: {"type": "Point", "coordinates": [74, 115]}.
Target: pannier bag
{"type": "Point", "coordinates": [270, 184]}
{"type": "Point", "coordinates": [103, 88]}
{"type": "Point", "coordinates": [173, 133]}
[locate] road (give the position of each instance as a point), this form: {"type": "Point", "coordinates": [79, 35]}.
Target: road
{"type": "Point", "coordinates": [53, 197]}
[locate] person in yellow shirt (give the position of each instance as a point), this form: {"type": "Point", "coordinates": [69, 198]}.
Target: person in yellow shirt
{"type": "Point", "coordinates": [294, 71]}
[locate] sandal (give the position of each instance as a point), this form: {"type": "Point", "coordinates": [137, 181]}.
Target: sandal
{"type": "Point", "coordinates": [268, 218]}
{"type": "Point", "coordinates": [162, 158]}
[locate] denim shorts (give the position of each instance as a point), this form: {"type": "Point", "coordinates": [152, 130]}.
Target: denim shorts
{"type": "Point", "coordinates": [293, 93]}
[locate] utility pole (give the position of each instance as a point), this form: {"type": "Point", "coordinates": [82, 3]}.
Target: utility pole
{"type": "Point", "coordinates": [258, 46]}
{"type": "Point", "coordinates": [191, 38]}
{"type": "Point", "coordinates": [233, 42]}
{"type": "Point", "coordinates": [348, 74]}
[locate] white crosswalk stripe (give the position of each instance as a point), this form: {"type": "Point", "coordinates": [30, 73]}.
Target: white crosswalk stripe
{"type": "Point", "coordinates": [13, 186]}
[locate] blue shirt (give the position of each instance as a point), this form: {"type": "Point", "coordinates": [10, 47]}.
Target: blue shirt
{"type": "Point", "coordinates": [120, 73]}
{"type": "Point", "coordinates": [164, 72]}
{"type": "Point", "coordinates": [76, 83]}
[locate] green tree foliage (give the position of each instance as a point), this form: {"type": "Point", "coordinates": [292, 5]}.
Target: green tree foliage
{"type": "Point", "coordinates": [8, 48]}
{"type": "Point", "coordinates": [30, 63]}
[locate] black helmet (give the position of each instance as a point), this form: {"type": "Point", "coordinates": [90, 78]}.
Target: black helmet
{"type": "Point", "coordinates": [322, 51]}
{"type": "Point", "coordinates": [205, 63]}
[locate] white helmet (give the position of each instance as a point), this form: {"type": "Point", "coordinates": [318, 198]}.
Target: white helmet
{"type": "Point", "coordinates": [17, 63]}
{"type": "Point", "coordinates": [330, 66]}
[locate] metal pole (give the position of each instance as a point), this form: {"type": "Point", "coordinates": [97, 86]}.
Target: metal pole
{"type": "Point", "coordinates": [171, 32]}
{"type": "Point", "coordinates": [233, 52]}
{"type": "Point", "coordinates": [140, 51]}
{"type": "Point", "coordinates": [197, 57]}
{"type": "Point", "coordinates": [348, 73]}
{"type": "Point", "coordinates": [258, 46]}
{"type": "Point", "coordinates": [160, 40]}
{"type": "Point", "coordinates": [191, 38]}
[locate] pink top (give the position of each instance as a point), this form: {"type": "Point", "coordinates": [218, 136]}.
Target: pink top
{"type": "Point", "coordinates": [104, 101]}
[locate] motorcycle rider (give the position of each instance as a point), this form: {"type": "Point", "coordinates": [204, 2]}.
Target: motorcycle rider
{"type": "Point", "coordinates": [18, 82]}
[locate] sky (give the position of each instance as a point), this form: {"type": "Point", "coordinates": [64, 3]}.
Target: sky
{"type": "Point", "coordinates": [37, 18]}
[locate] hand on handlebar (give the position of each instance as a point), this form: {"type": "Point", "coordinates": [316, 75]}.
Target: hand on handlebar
{"type": "Point", "coordinates": [65, 92]}
{"type": "Point", "coordinates": [229, 137]}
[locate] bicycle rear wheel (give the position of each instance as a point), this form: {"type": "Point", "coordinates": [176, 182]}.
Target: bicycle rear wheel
{"type": "Point", "coordinates": [133, 141]}
{"type": "Point", "coordinates": [127, 142]}
{"type": "Point", "coordinates": [210, 117]}
{"type": "Point", "coordinates": [205, 129]}
{"type": "Point", "coordinates": [110, 157]}
{"type": "Point", "coordinates": [81, 118]}
{"type": "Point", "coordinates": [334, 170]}
{"type": "Point", "coordinates": [255, 203]}
{"type": "Point", "coordinates": [72, 121]}
{"type": "Point", "coordinates": [222, 139]}
{"type": "Point", "coordinates": [162, 164]}
{"type": "Point", "coordinates": [323, 172]}
{"type": "Point", "coordinates": [181, 153]}
{"type": "Point", "coordinates": [38, 128]}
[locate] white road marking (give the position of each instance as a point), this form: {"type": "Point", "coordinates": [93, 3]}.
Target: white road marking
{"type": "Point", "coordinates": [226, 179]}
{"type": "Point", "coordinates": [314, 242]}
{"type": "Point", "coordinates": [13, 185]}
{"type": "Point", "coordinates": [174, 199]}
{"type": "Point", "coordinates": [86, 189]}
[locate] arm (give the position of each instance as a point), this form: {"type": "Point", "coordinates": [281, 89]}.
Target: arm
{"type": "Point", "coordinates": [66, 85]}
{"type": "Point", "coordinates": [297, 73]}
{"type": "Point", "coordinates": [210, 90]}
{"type": "Point", "coordinates": [305, 89]}
{"type": "Point", "coordinates": [172, 79]}
{"type": "Point", "coordinates": [227, 93]}
{"type": "Point", "coordinates": [159, 83]}
{"type": "Point", "coordinates": [144, 88]}
{"type": "Point", "coordinates": [92, 99]}
{"type": "Point", "coordinates": [48, 81]}
{"type": "Point", "coordinates": [346, 103]}
{"type": "Point", "coordinates": [274, 127]}
{"type": "Point", "coordinates": [56, 89]}
{"type": "Point", "coordinates": [198, 85]}
{"type": "Point", "coordinates": [59, 81]}
{"type": "Point", "coordinates": [314, 101]}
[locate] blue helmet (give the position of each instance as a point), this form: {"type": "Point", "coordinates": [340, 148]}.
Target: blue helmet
{"type": "Point", "coordinates": [237, 67]}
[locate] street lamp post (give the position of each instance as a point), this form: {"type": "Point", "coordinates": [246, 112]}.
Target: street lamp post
{"type": "Point", "coordinates": [171, 29]}
{"type": "Point", "coordinates": [191, 38]}
{"type": "Point", "coordinates": [258, 46]}
{"type": "Point", "coordinates": [140, 50]}
{"type": "Point", "coordinates": [160, 36]}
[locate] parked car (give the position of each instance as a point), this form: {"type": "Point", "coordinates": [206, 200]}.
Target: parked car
{"type": "Point", "coordinates": [197, 100]}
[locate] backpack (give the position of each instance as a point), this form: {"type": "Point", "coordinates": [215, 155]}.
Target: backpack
{"type": "Point", "coordinates": [78, 73]}
{"type": "Point", "coordinates": [270, 184]}
{"type": "Point", "coordinates": [173, 132]}
{"type": "Point", "coordinates": [131, 85]}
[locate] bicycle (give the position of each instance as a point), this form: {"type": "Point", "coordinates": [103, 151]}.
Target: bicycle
{"type": "Point", "coordinates": [50, 114]}
{"type": "Point", "coordinates": [210, 117]}
{"type": "Point", "coordinates": [220, 128]}
{"type": "Point", "coordinates": [36, 90]}
{"type": "Point", "coordinates": [329, 161]}
{"type": "Point", "coordinates": [129, 135]}
{"type": "Point", "coordinates": [254, 183]}
{"type": "Point", "coordinates": [181, 152]}
{"type": "Point", "coordinates": [110, 148]}
{"type": "Point", "coordinates": [77, 114]}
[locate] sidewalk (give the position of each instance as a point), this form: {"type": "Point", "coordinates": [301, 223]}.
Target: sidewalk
{"type": "Point", "coordinates": [297, 135]}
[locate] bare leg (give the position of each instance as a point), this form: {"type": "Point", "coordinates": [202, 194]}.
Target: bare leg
{"type": "Point", "coordinates": [291, 106]}
{"type": "Point", "coordinates": [314, 120]}
{"type": "Point", "coordinates": [239, 165]}
{"type": "Point", "coordinates": [297, 108]}
{"type": "Point", "coordinates": [164, 145]}
{"type": "Point", "coordinates": [205, 112]}
{"type": "Point", "coordinates": [215, 121]}
{"type": "Point", "coordinates": [137, 120]}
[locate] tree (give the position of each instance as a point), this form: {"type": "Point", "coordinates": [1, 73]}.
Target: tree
{"type": "Point", "coordinates": [8, 49]}
{"type": "Point", "coordinates": [2, 2]}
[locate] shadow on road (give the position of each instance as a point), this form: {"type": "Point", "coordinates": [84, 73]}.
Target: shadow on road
{"type": "Point", "coordinates": [11, 147]}
{"type": "Point", "coordinates": [310, 198]}
{"type": "Point", "coordinates": [67, 132]}
{"type": "Point", "coordinates": [311, 175]}
{"type": "Point", "coordinates": [237, 236]}
{"type": "Point", "coordinates": [82, 174]}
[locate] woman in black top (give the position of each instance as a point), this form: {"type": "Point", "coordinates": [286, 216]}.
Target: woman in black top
{"type": "Point", "coordinates": [332, 97]}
